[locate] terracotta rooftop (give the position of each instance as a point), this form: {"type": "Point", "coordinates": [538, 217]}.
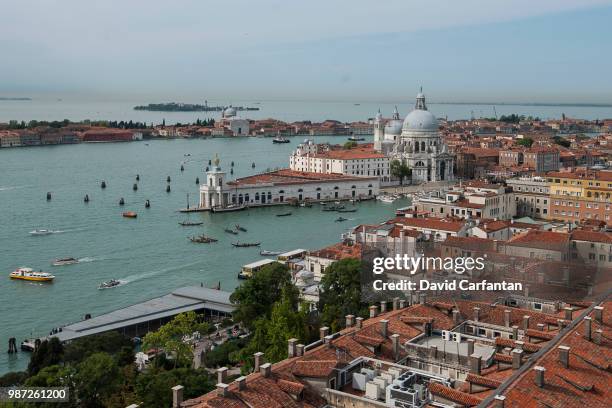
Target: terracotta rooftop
{"type": "Point", "coordinates": [338, 251]}
{"type": "Point", "coordinates": [541, 239]}
{"type": "Point", "coordinates": [441, 224]}
{"type": "Point", "coordinates": [289, 177]}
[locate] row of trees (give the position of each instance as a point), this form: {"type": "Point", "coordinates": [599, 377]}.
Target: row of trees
{"type": "Point", "coordinates": [57, 124]}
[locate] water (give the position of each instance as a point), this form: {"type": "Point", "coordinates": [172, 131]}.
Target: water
{"type": "Point", "coordinates": [151, 254]}
{"type": "Point", "coordinates": [80, 109]}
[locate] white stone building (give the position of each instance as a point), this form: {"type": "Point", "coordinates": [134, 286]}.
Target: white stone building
{"type": "Point", "coordinates": [234, 123]}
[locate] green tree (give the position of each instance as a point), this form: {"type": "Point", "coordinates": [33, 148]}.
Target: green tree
{"type": "Point", "coordinates": [153, 387]}
{"type": "Point", "coordinates": [400, 170]}
{"type": "Point", "coordinates": [350, 144]}
{"type": "Point", "coordinates": [341, 293]}
{"type": "Point", "coordinates": [110, 342]}
{"type": "Point", "coordinates": [562, 141]}
{"type": "Point", "coordinates": [49, 352]}
{"type": "Point", "coordinates": [170, 336]}
{"type": "Point", "coordinates": [254, 298]}
{"type": "Point", "coordinates": [97, 379]}
{"type": "Point", "coordinates": [526, 141]}
{"type": "Point", "coordinates": [55, 376]}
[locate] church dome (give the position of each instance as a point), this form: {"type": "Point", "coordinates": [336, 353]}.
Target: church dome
{"type": "Point", "coordinates": [229, 112]}
{"type": "Point", "coordinates": [420, 119]}
{"type": "Point", "coordinates": [393, 127]}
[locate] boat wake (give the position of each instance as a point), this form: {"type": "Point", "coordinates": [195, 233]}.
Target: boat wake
{"type": "Point", "coordinates": [141, 276]}
{"type": "Point", "coordinates": [9, 188]}
{"type": "Point", "coordinates": [88, 259]}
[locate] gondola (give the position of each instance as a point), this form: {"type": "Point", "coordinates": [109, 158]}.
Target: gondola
{"type": "Point", "coordinates": [283, 214]}
{"type": "Point", "coordinates": [231, 231]}
{"type": "Point", "coordinates": [190, 224]}
{"type": "Point", "coordinates": [245, 244]}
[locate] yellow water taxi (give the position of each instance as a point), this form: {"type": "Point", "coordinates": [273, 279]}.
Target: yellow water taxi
{"type": "Point", "coordinates": [30, 275]}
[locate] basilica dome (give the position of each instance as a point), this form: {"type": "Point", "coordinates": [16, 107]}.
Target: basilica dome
{"type": "Point", "coordinates": [420, 119]}
{"type": "Point", "coordinates": [229, 112]}
{"type": "Point", "coordinates": [393, 127]}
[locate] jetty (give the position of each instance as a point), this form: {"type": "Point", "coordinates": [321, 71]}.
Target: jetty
{"type": "Point", "coordinates": [141, 318]}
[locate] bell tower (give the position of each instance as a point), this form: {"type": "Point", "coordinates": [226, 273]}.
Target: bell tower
{"type": "Point", "coordinates": [211, 193]}
{"type": "Point", "coordinates": [379, 131]}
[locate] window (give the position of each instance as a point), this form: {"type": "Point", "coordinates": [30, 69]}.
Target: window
{"type": "Point", "coordinates": [537, 306]}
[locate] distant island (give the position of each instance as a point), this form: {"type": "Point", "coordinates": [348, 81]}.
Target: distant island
{"type": "Point", "coordinates": [6, 98]}
{"type": "Point", "coordinates": [188, 107]}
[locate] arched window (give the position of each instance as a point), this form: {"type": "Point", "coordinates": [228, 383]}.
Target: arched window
{"type": "Point", "coordinates": [353, 186]}
{"type": "Point", "coordinates": [336, 188]}
{"type": "Point", "coordinates": [423, 146]}
{"type": "Point", "coordinates": [300, 190]}
{"type": "Point", "coordinates": [256, 196]}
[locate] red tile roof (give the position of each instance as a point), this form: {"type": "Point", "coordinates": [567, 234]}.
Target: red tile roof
{"type": "Point", "coordinates": [453, 395]}
{"type": "Point", "coordinates": [289, 177]}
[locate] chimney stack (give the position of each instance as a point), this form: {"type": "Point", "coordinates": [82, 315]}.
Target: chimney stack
{"type": "Point", "coordinates": [177, 396]}
{"type": "Point", "coordinates": [266, 369]}
{"type": "Point", "coordinates": [515, 333]}
{"type": "Point", "coordinates": [475, 364]}
{"type": "Point", "coordinates": [598, 313]}
{"type": "Point", "coordinates": [258, 360]}
{"type": "Point", "coordinates": [222, 375]}
{"type": "Point", "coordinates": [328, 340]}
{"type": "Point", "coordinates": [299, 349]}
{"type": "Point", "coordinates": [222, 390]}
{"type": "Point", "coordinates": [539, 376]}
{"type": "Point", "coordinates": [456, 317]}
{"type": "Point", "coordinates": [499, 401]}
{"type": "Point", "coordinates": [373, 311]}
{"type": "Point", "coordinates": [383, 306]}
{"type": "Point", "coordinates": [526, 322]}
{"type": "Point", "coordinates": [433, 351]}
{"type": "Point", "coordinates": [359, 322]}
{"type": "Point", "coordinates": [241, 381]}
{"type": "Point", "coordinates": [323, 331]}
{"type": "Point", "coordinates": [422, 298]}
{"type": "Point", "coordinates": [349, 320]}
{"type": "Point", "coordinates": [526, 290]}
{"type": "Point", "coordinates": [395, 342]}
{"type": "Point", "coordinates": [541, 326]}
{"type": "Point", "coordinates": [561, 324]}
{"type": "Point", "coordinates": [292, 351]}
{"type": "Point", "coordinates": [384, 326]}
{"type": "Point", "coordinates": [470, 347]}
{"type": "Point", "coordinates": [568, 313]}
{"type": "Point", "coordinates": [402, 303]}
{"type": "Point", "coordinates": [587, 328]}
{"type": "Point", "coordinates": [476, 314]}
{"type": "Point", "coordinates": [395, 303]}
{"type": "Point", "coordinates": [564, 353]}
{"type": "Point", "coordinates": [598, 336]}
{"type": "Point", "coordinates": [517, 358]}
{"type": "Point", "coordinates": [507, 314]}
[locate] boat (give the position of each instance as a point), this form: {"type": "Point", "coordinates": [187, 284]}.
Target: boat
{"type": "Point", "coordinates": [348, 210]}
{"type": "Point", "coordinates": [283, 214]}
{"type": "Point", "coordinates": [230, 231]}
{"type": "Point", "coordinates": [229, 208]}
{"type": "Point", "coordinates": [202, 239]}
{"type": "Point", "coordinates": [280, 139]}
{"type": "Point", "coordinates": [340, 219]}
{"type": "Point", "coordinates": [239, 228]}
{"type": "Point", "coordinates": [41, 232]}
{"type": "Point", "coordinates": [305, 204]}
{"type": "Point", "coordinates": [65, 261]}
{"type": "Point", "coordinates": [28, 345]}
{"type": "Point", "coordinates": [356, 138]}
{"type": "Point", "coordinates": [269, 253]}
{"type": "Point", "coordinates": [109, 284]}
{"type": "Point", "coordinates": [245, 244]}
{"type": "Point", "coordinates": [386, 198]}
{"type": "Point", "coordinates": [30, 275]}
{"type": "Point", "coordinates": [190, 224]}
{"type": "Point", "coordinates": [130, 214]}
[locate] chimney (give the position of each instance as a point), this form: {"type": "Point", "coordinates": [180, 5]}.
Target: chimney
{"type": "Point", "coordinates": [587, 328]}
{"type": "Point", "coordinates": [539, 376]}
{"type": "Point", "coordinates": [222, 390]}
{"type": "Point", "coordinates": [177, 396]}
{"type": "Point", "coordinates": [561, 324]}
{"type": "Point", "coordinates": [373, 311]}
{"type": "Point", "coordinates": [598, 313]}
{"type": "Point", "coordinates": [564, 353]}
{"type": "Point", "coordinates": [291, 343]}
{"type": "Point", "coordinates": [456, 317]}
{"type": "Point", "coordinates": [517, 358]}
{"type": "Point", "coordinates": [349, 320]}
{"type": "Point", "coordinates": [526, 290]}
{"type": "Point", "coordinates": [384, 325]}
{"type": "Point", "coordinates": [433, 351]}
{"type": "Point", "coordinates": [598, 336]}
{"type": "Point", "coordinates": [395, 303]}
{"type": "Point", "coordinates": [470, 347]}
{"type": "Point", "coordinates": [507, 314]}
{"type": "Point", "coordinates": [258, 360]}
{"type": "Point", "coordinates": [395, 342]}
{"type": "Point", "coordinates": [328, 340]}
{"type": "Point", "coordinates": [323, 331]}
{"type": "Point", "coordinates": [359, 322]}
{"type": "Point", "coordinates": [422, 298]}
{"type": "Point", "coordinates": [541, 326]}
{"type": "Point", "coordinates": [241, 381]}
{"type": "Point", "coordinates": [222, 375]}
{"type": "Point", "coordinates": [476, 314]}
{"type": "Point", "coordinates": [526, 322]}
{"type": "Point", "coordinates": [402, 303]}
{"type": "Point", "coordinates": [299, 349]}
{"type": "Point", "coordinates": [475, 364]}
{"type": "Point", "coordinates": [568, 313]}
{"type": "Point", "coordinates": [499, 401]}
{"type": "Point", "coordinates": [519, 344]}
{"type": "Point", "coordinates": [383, 306]}
{"type": "Point", "coordinates": [266, 369]}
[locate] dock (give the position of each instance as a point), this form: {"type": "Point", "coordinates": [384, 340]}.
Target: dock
{"type": "Point", "coordinates": [141, 318]}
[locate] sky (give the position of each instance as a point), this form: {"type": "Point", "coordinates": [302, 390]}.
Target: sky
{"type": "Point", "coordinates": [332, 50]}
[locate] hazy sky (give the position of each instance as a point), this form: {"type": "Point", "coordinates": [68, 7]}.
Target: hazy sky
{"type": "Point", "coordinates": [519, 50]}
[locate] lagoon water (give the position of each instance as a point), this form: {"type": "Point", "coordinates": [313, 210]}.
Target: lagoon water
{"type": "Point", "coordinates": [151, 253]}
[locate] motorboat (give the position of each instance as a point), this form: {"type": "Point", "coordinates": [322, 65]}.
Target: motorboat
{"type": "Point", "coordinates": [109, 284]}
{"type": "Point", "coordinates": [280, 139]}
{"type": "Point", "coordinates": [202, 239]}
{"type": "Point", "coordinates": [129, 214]}
{"type": "Point", "coordinates": [341, 219]}
{"type": "Point", "coordinates": [29, 274]}
{"type": "Point", "coordinates": [239, 228]}
{"type": "Point", "coordinates": [356, 138]}
{"type": "Point", "coordinates": [245, 244]}
{"type": "Point", "coordinates": [190, 224]}
{"type": "Point", "coordinates": [229, 208]}
{"type": "Point", "coordinates": [283, 214]}
{"type": "Point", "coordinates": [231, 231]}
{"type": "Point", "coordinates": [386, 198]}
{"type": "Point", "coordinates": [347, 210]}
{"type": "Point", "coordinates": [65, 261]}
{"type": "Point", "coordinates": [269, 253]}
{"type": "Point", "coordinates": [41, 232]}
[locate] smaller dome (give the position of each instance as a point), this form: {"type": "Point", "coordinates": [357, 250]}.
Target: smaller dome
{"type": "Point", "coordinates": [229, 111]}
{"type": "Point", "coordinates": [393, 127]}
{"type": "Point", "coordinates": [378, 116]}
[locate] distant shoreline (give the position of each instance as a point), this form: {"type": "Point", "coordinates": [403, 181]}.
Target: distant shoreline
{"type": "Point", "coordinates": [575, 105]}
{"type": "Point", "coordinates": [6, 98]}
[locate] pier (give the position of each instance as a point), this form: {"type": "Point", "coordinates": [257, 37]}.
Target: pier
{"type": "Point", "coordinates": [141, 318]}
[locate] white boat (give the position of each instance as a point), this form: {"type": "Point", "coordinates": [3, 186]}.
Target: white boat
{"type": "Point", "coordinates": [109, 284]}
{"type": "Point", "coordinates": [29, 274]}
{"type": "Point", "coordinates": [41, 232]}
{"type": "Point", "coordinates": [269, 253]}
{"type": "Point", "coordinates": [386, 198]}
{"type": "Point", "coordinates": [65, 261]}
{"type": "Point", "coordinates": [229, 208]}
